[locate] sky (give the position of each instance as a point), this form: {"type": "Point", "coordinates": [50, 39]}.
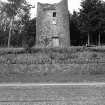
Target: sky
{"type": "Point", "coordinates": [72, 4]}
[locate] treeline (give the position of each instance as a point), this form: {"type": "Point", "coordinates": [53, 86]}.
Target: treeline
{"type": "Point", "coordinates": [88, 25]}
{"type": "Point", "coordinates": [17, 29]}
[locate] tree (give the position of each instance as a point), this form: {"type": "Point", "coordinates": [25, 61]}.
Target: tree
{"type": "Point", "coordinates": [29, 33]}
{"type": "Point", "coordinates": [11, 11]}
{"type": "Point", "coordinates": [74, 31]}
{"type": "Point", "coordinates": [89, 16]}
{"type": "Point", "coordinates": [100, 20]}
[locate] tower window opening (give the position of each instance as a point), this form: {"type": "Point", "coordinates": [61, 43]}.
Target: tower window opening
{"type": "Point", "coordinates": [54, 14]}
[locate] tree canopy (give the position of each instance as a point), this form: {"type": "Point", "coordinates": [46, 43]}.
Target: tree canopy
{"type": "Point", "coordinates": [13, 15]}
{"type": "Point", "coordinates": [91, 17]}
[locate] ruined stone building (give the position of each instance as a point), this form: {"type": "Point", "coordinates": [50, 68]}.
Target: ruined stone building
{"type": "Point", "coordinates": [52, 24]}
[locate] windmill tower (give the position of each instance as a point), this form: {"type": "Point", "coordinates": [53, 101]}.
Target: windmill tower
{"type": "Point", "coordinates": [52, 24]}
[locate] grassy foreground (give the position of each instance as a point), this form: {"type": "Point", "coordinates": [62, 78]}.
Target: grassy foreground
{"type": "Point", "coordinates": [73, 64]}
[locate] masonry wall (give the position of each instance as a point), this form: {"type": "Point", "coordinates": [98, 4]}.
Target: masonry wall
{"type": "Point", "coordinates": [54, 28]}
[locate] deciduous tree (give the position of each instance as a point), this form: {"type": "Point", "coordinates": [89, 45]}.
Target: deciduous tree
{"type": "Point", "coordinates": [11, 12]}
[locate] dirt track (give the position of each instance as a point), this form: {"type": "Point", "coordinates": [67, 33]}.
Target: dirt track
{"type": "Point", "coordinates": [53, 95]}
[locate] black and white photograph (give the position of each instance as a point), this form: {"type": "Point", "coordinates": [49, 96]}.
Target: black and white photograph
{"type": "Point", "coordinates": [52, 52]}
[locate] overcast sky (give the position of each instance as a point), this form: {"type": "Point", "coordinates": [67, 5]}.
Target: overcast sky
{"type": "Point", "coordinates": [72, 4]}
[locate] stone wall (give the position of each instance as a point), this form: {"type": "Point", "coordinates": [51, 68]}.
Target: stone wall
{"type": "Point", "coordinates": [52, 24]}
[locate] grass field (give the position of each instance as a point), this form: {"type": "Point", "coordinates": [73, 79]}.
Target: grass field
{"type": "Point", "coordinates": [74, 64]}
{"type": "Point", "coordinates": [50, 78]}
{"type": "Point", "coordinates": [53, 95]}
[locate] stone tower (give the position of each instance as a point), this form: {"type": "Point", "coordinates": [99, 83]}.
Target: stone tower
{"type": "Point", "coordinates": [52, 25]}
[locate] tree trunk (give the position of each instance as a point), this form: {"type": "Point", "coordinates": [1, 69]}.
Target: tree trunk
{"type": "Point", "coordinates": [70, 34]}
{"type": "Point", "coordinates": [9, 38]}
{"type": "Point", "coordinates": [10, 32]}
{"type": "Point", "coordinates": [99, 39]}
{"type": "Point", "coordinates": [88, 38]}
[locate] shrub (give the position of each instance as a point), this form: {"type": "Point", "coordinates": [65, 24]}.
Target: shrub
{"type": "Point", "coordinates": [94, 56]}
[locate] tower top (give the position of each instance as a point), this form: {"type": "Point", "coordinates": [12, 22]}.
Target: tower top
{"type": "Point", "coordinates": [53, 3]}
